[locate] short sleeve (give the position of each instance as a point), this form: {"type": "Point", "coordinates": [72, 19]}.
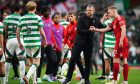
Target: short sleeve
{"type": "Point", "coordinates": [1, 28]}
{"type": "Point", "coordinates": [19, 24]}
{"type": "Point", "coordinates": [121, 22]}
{"type": "Point", "coordinates": [40, 22]}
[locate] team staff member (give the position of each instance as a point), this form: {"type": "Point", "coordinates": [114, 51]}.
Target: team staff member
{"type": "Point", "coordinates": [83, 42]}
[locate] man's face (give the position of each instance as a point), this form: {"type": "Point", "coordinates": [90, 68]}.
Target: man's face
{"type": "Point", "coordinates": [111, 13]}
{"type": "Point", "coordinates": [90, 11]}
{"type": "Point", "coordinates": [56, 19]}
{"type": "Point", "coordinates": [5, 15]}
{"type": "Point", "coordinates": [72, 18]}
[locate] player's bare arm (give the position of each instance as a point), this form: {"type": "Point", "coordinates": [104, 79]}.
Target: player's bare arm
{"type": "Point", "coordinates": [123, 34]}
{"type": "Point", "coordinates": [43, 36]}
{"type": "Point", "coordinates": [93, 29]}
{"type": "Point", "coordinates": [18, 38]}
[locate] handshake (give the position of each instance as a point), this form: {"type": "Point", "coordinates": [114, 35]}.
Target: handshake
{"type": "Point", "coordinates": [92, 28]}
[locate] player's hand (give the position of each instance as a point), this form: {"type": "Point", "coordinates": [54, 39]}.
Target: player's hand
{"type": "Point", "coordinates": [92, 28]}
{"type": "Point", "coordinates": [45, 43]}
{"type": "Point", "coordinates": [120, 44]}
{"type": "Point", "coordinates": [21, 46]}
{"type": "Point", "coordinates": [1, 51]}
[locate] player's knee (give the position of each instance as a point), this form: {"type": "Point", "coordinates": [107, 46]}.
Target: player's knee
{"type": "Point", "coordinates": [125, 61]}
{"type": "Point", "coordinates": [116, 60]}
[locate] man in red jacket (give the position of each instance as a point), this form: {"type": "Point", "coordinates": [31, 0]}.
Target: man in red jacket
{"type": "Point", "coordinates": [69, 37]}
{"type": "Point", "coordinates": [70, 32]}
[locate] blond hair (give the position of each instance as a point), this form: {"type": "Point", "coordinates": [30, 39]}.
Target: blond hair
{"type": "Point", "coordinates": [31, 5]}
{"type": "Point", "coordinates": [112, 7]}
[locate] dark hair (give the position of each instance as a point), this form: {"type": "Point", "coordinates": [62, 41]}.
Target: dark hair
{"type": "Point", "coordinates": [16, 8]}
{"type": "Point", "coordinates": [81, 14]}
{"type": "Point", "coordinates": [56, 13]}
{"type": "Point", "coordinates": [63, 14]}
{"type": "Point", "coordinates": [105, 10]}
{"type": "Point", "coordinates": [45, 9]}
{"type": "Point", "coordinates": [70, 13]}
{"type": "Point", "coordinates": [8, 12]}
{"type": "Point", "coordinates": [90, 5]}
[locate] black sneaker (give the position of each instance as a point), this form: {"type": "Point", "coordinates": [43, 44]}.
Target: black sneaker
{"type": "Point", "coordinates": [101, 78]}
{"type": "Point", "coordinates": [67, 81]}
{"type": "Point", "coordinates": [87, 82]}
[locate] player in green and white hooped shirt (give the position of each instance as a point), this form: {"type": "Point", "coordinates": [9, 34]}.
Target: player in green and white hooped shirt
{"type": "Point", "coordinates": [11, 22]}
{"type": "Point", "coordinates": [32, 26]}
{"type": "Point", "coordinates": [2, 57]}
{"type": "Point", "coordinates": [108, 45]}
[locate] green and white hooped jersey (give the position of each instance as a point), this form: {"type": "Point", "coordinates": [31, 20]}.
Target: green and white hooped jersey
{"type": "Point", "coordinates": [1, 28]}
{"type": "Point", "coordinates": [12, 22]}
{"type": "Point", "coordinates": [109, 39]}
{"type": "Point", "coordinates": [64, 23]}
{"type": "Point", "coordinates": [30, 24]}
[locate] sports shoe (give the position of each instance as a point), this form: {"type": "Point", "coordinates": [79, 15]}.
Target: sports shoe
{"type": "Point", "coordinates": [25, 80]}
{"type": "Point", "coordinates": [82, 81]}
{"type": "Point", "coordinates": [53, 78]}
{"type": "Point", "coordinates": [47, 78]}
{"type": "Point", "coordinates": [66, 81]}
{"type": "Point", "coordinates": [39, 80]}
{"type": "Point", "coordinates": [15, 77]}
{"type": "Point", "coordinates": [124, 82]}
{"type": "Point", "coordinates": [87, 82]}
{"type": "Point", "coordinates": [101, 78]}
{"type": "Point", "coordinates": [112, 82]}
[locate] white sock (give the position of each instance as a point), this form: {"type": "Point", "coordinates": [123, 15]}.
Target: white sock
{"type": "Point", "coordinates": [111, 73]}
{"type": "Point", "coordinates": [22, 69]}
{"type": "Point", "coordinates": [7, 66]}
{"type": "Point", "coordinates": [2, 80]}
{"type": "Point", "coordinates": [31, 71]}
{"type": "Point", "coordinates": [64, 68]}
{"type": "Point", "coordinates": [78, 74]}
{"type": "Point", "coordinates": [34, 78]}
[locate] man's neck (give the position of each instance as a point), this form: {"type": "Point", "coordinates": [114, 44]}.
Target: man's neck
{"type": "Point", "coordinates": [17, 12]}
{"type": "Point", "coordinates": [91, 16]}
{"type": "Point", "coordinates": [32, 12]}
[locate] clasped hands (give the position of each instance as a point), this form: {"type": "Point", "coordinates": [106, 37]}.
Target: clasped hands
{"type": "Point", "coordinates": [92, 28]}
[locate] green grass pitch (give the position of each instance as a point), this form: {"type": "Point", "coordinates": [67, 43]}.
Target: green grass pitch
{"type": "Point", "coordinates": [134, 78]}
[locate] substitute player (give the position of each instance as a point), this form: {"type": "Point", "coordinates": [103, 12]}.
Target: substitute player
{"type": "Point", "coordinates": [121, 49]}
{"type": "Point", "coordinates": [32, 26]}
